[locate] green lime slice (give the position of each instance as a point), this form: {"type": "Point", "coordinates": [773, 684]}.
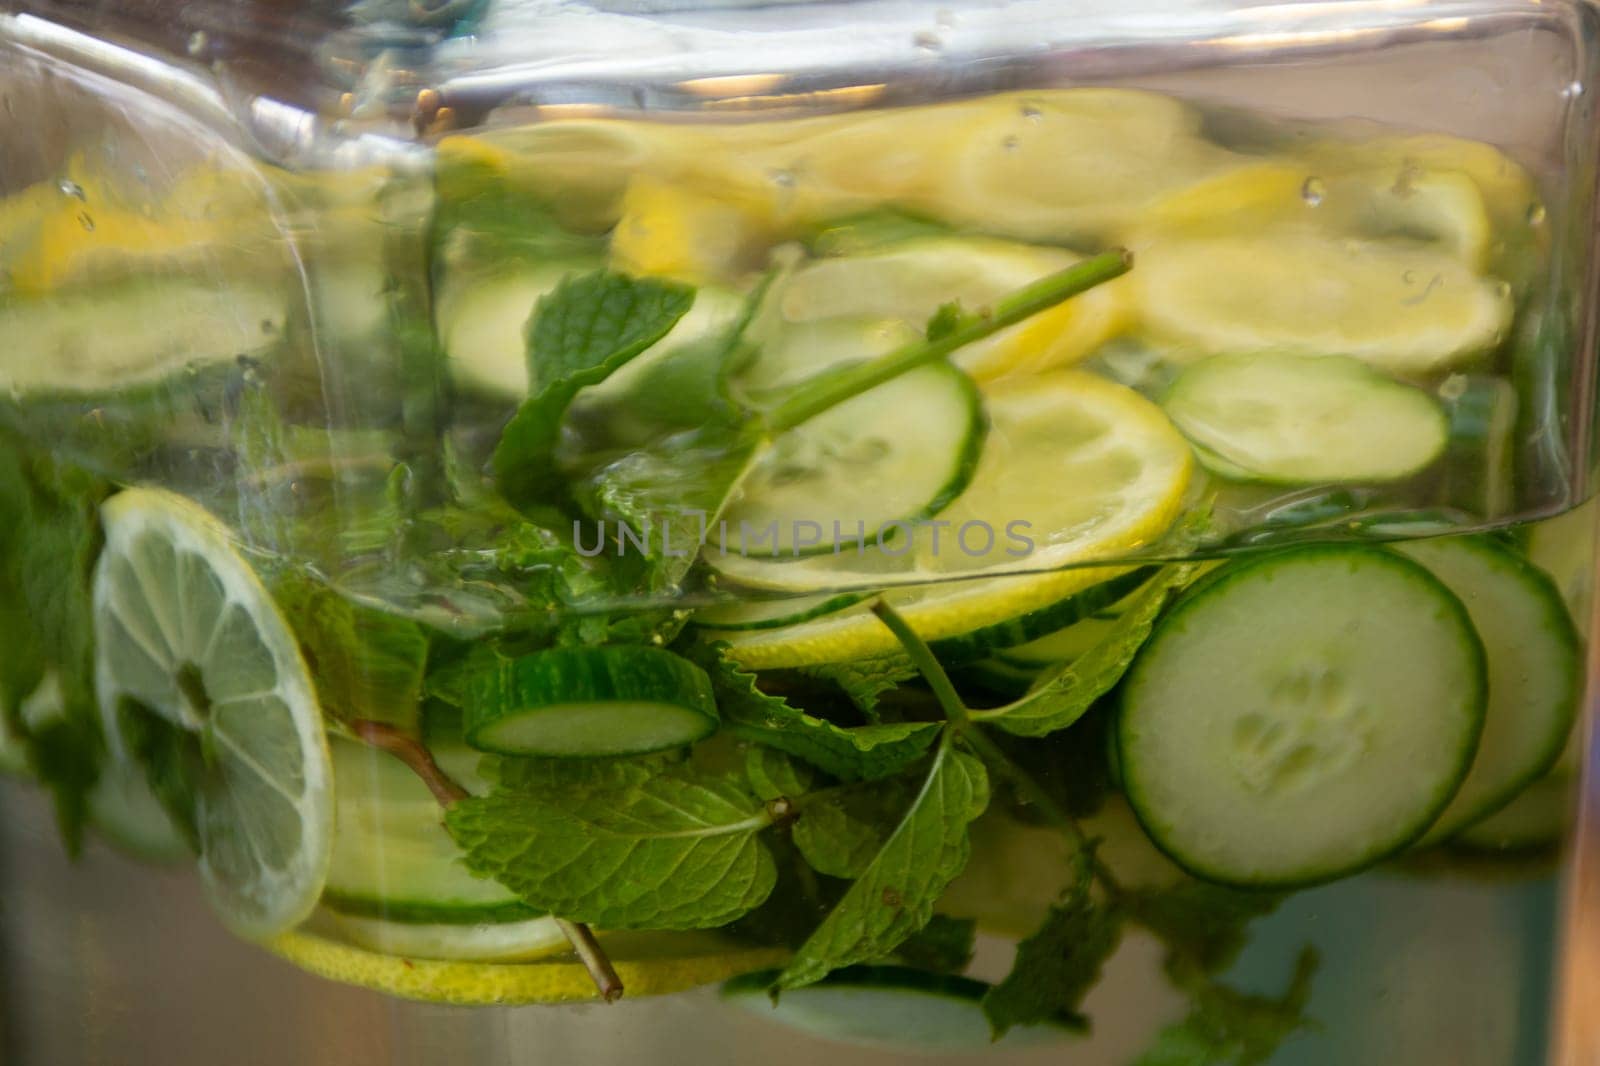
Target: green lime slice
{"type": "Point", "coordinates": [191, 651]}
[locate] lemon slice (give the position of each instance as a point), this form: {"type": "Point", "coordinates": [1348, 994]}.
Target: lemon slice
{"type": "Point", "coordinates": [1441, 208]}
{"type": "Point", "coordinates": [1405, 309]}
{"type": "Point", "coordinates": [1082, 469]}
{"type": "Point", "coordinates": [485, 984]}
{"type": "Point", "coordinates": [908, 281]}
{"type": "Point", "coordinates": [1063, 164]}
{"type": "Point", "coordinates": [669, 229]}
{"type": "Point", "coordinates": [189, 648]}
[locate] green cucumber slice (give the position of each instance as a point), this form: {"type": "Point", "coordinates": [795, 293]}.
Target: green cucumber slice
{"type": "Point", "coordinates": [1290, 419]}
{"type": "Point", "coordinates": [482, 319]}
{"type": "Point", "coordinates": [1030, 625]}
{"type": "Point", "coordinates": [774, 614]}
{"type": "Point", "coordinates": [393, 857]}
{"type": "Point", "coordinates": [1538, 817]}
{"type": "Point", "coordinates": [1301, 715]}
{"type": "Point", "coordinates": [513, 941]}
{"type": "Point", "coordinates": [891, 1007]}
{"type": "Point", "coordinates": [112, 337]}
{"type": "Point", "coordinates": [856, 474]}
{"type": "Point", "coordinates": [1478, 464]}
{"type": "Point", "coordinates": [1535, 659]}
{"type": "Point", "coordinates": [1565, 547]}
{"type": "Point", "coordinates": [589, 702]}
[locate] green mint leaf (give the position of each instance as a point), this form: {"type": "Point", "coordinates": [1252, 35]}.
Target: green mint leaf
{"type": "Point", "coordinates": [895, 894]}
{"type": "Point", "coordinates": [629, 847]}
{"type": "Point", "coordinates": [1062, 694]}
{"type": "Point", "coordinates": [173, 762]}
{"type": "Point", "coordinates": [840, 832]}
{"type": "Point", "coordinates": [864, 681]}
{"type": "Point", "coordinates": [1226, 1027]}
{"type": "Point", "coordinates": [1060, 962]}
{"type": "Point", "coordinates": [48, 544]}
{"type": "Point", "coordinates": [944, 945]}
{"type": "Point", "coordinates": [772, 774]}
{"type": "Point", "coordinates": [861, 753]}
{"type": "Point", "coordinates": [367, 663]}
{"type": "Point", "coordinates": [580, 333]}
{"type": "Point", "coordinates": [1203, 925]}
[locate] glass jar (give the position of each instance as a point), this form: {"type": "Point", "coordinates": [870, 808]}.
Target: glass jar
{"type": "Point", "coordinates": [387, 387]}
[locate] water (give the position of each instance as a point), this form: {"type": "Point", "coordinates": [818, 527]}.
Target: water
{"type": "Point", "coordinates": [326, 361]}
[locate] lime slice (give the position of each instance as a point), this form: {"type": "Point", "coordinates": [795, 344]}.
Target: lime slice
{"type": "Point", "coordinates": [1085, 470]}
{"type": "Point", "coordinates": [1402, 308]}
{"type": "Point", "coordinates": [910, 280]}
{"type": "Point", "coordinates": [189, 644]}
{"type": "Point", "coordinates": [665, 969]}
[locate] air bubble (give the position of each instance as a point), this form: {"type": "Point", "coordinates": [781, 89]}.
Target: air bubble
{"type": "Point", "coordinates": [1536, 214]}
{"type": "Point", "coordinates": [1011, 144]}
{"type": "Point", "coordinates": [1409, 277]}
{"type": "Point", "coordinates": [1573, 89]}
{"type": "Point", "coordinates": [1453, 387]}
{"type": "Point", "coordinates": [1031, 113]}
{"type": "Point", "coordinates": [1312, 190]}
{"type": "Point", "coordinates": [85, 221]}
{"type": "Point", "coordinates": [927, 41]}
{"type": "Point", "coordinates": [71, 188]}
{"type": "Point", "coordinates": [197, 42]}
{"type": "Point", "coordinates": [782, 178]}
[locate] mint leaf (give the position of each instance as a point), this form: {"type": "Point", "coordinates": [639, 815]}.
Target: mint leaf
{"type": "Point", "coordinates": [773, 775]}
{"type": "Point", "coordinates": [861, 753]}
{"type": "Point", "coordinates": [944, 945]}
{"type": "Point", "coordinates": [1062, 694]}
{"type": "Point", "coordinates": [624, 846]}
{"type": "Point", "coordinates": [895, 894]}
{"type": "Point", "coordinates": [580, 333]}
{"type": "Point", "coordinates": [1203, 925]}
{"type": "Point", "coordinates": [367, 663]}
{"type": "Point", "coordinates": [1226, 1027]}
{"type": "Point", "coordinates": [865, 680]}
{"type": "Point", "coordinates": [1060, 962]}
{"type": "Point", "coordinates": [840, 832]}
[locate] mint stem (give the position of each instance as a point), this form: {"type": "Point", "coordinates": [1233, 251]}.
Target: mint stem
{"type": "Point", "coordinates": [415, 755]}
{"type": "Point", "coordinates": [961, 721]}
{"type": "Point", "coordinates": [810, 401]}
{"type": "Point", "coordinates": [411, 752]}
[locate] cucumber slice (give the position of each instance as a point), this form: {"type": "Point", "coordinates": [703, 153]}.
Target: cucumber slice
{"type": "Point", "coordinates": [393, 857]}
{"type": "Point", "coordinates": [1301, 715]}
{"type": "Point", "coordinates": [1538, 817]}
{"type": "Point", "coordinates": [1289, 419]}
{"type": "Point", "coordinates": [774, 614]}
{"type": "Point", "coordinates": [590, 702]}
{"type": "Point", "coordinates": [865, 470]}
{"type": "Point", "coordinates": [481, 322]}
{"type": "Point", "coordinates": [1030, 625]}
{"type": "Point", "coordinates": [1535, 660]}
{"type": "Point", "coordinates": [515, 941]}
{"type": "Point", "coordinates": [790, 352]}
{"type": "Point", "coordinates": [1478, 465]}
{"type": "Point", "coordinates": [112, 337]}
{"type": "Point", "coordinates": [891, 1007]}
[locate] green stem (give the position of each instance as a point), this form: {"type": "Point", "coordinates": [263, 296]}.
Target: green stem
{"type": "Point", "coordinates": [925, 661]}
{"type": "Point", "coordinates": [834, 389]}
{"type": "Point", "coordinates": [978, 739]}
